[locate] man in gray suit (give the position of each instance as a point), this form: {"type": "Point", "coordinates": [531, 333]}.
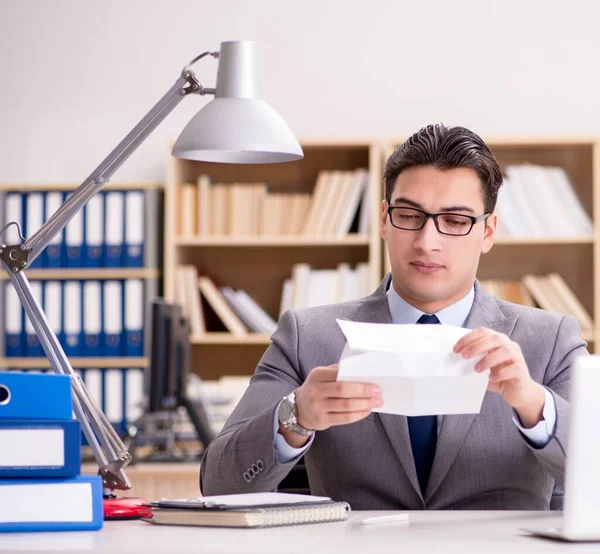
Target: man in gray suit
{"type": "Point", "coordinates": [437, 219]}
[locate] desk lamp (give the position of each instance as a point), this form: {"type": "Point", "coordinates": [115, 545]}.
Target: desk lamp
{"type": "Point", "coordinates": [235, 127]}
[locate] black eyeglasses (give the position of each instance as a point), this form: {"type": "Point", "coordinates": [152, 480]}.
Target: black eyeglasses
{"type": "Point", "coordinates": [412, 219]}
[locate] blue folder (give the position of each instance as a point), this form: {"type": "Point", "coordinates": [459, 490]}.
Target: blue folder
{"type": "Point", "coordinates": [78, 500]}
{"type": "Point", "coordinates": [35, 396]}
{"type": "Point", "coordinates": [34, 461]}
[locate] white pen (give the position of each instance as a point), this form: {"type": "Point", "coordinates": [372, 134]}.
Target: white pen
{"type": "Point", "coordinates": [395, 518]}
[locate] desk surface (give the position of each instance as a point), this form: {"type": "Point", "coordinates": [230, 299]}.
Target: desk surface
{"type": "Point", "coordinates": [460, 532]}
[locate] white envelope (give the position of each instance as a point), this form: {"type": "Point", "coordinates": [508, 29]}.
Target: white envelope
{"type": "Point", "coordinates": [414, 366]}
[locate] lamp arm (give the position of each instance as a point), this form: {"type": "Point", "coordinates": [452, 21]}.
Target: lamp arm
{"type": "Point", "coordinates": [108, 449]}
{"type": "Point", "coordinates": [185, 85]}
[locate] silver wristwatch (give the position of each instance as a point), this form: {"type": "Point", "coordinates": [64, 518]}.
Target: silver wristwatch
{"type": "Point", "coordinates": [288, 416]}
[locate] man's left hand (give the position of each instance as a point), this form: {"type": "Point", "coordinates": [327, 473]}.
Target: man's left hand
{"type": "Point", "coordinates": [509, 374]}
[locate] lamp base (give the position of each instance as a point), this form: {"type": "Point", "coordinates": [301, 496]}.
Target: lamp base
{"type": "Point", "coordinates": [125, 508]}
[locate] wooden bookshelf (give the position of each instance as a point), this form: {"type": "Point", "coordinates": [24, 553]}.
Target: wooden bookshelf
{"type": "Point", "coordinates": [91, 274]}
{"type": "Point", "coordinates": [76, 363]}
{"type": "Point", "coordinates": [576, 259]}
{"type": "Point", "coordinates": [260, 264]}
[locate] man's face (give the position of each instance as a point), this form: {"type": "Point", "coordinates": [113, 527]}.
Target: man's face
{"type": "Point", "coordinates": [431, 270]}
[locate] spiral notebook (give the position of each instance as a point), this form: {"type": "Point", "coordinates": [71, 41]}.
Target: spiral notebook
{"type": "Point", "coordinates": [248, 510]}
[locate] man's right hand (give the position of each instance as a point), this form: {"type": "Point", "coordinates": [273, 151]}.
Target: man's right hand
{"type": "Point", "coordinates": [323, 402]}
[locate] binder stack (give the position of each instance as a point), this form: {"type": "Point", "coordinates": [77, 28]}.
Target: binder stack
{"type": "Point", "coordinates": [41, 486]}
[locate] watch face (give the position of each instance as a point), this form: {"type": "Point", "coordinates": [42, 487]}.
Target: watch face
{"type": "Point", "coordinates": [286, 410]}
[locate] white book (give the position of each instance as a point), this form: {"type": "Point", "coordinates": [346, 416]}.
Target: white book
{"type": "Point", "coordinates": [13, 212]}
{"type": "Point", "coordinates": [543, 200]}
{"type": "Point", "coordinates": [53, 292]}
{"type": "Point", "coordinates": [322, 287]}
{"type": "Point", "coordinates": [74, 231]}
{"type": "Point", "coordinates": [13, 311]}
{"type": "Point", "coordinates": [358, 183]}
{"type": "Point", "coordinates": [532, 227]}
{"type": "Point", "coordinates": [54, 200]}
{"type": "Point", "coordinates": [247, 318]}
{"type": "Point", "coordinates": [193, 300]}
{"type": "Point", "coordinates": [301, 280]}
{"type": "Point", "coordinates": [94, 222]}
{"type": "Point", "coordinates": [72, 311]}
{"type": "Point", "coordinates": [204, 206]}
{"type": "Point", "coordinates": [115, 214]}
{"type": "Point", "coordinates": [92, 307]}
{"type": "Point", "coordinates": [113, 308]}
{"type": "Point", "coordinates": [348, 283]}
{"type": "Point", "coordinates": [35, 212]}
{"type": "Point", "coordinates": [287, 297]}
{"type": "Point", "coordinates": [134, 222]}
{"type": "Point", "coordinates": [113, 395]}
{"type": "Point", "coordinates": [266, 322]}
{"type": "Point", "coordinates": [93, 383]}
{"type": "Point", "coordinates": [365, 280]}
{"type": "Point", "coordinates": [134, 305]}
{"type": "Point", "coordinates": [134, 403]}
{"type": "Point", "coordinates": [36, 290]}
{"type": "Point", "coordinates": [573, 211]}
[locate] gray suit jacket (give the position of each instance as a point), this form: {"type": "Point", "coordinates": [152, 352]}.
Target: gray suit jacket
{"type": "Point", "coordinates": [481, 462]}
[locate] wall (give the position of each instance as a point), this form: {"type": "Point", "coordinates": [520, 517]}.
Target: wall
{"type": "Point", "coordinates": [77, 75]}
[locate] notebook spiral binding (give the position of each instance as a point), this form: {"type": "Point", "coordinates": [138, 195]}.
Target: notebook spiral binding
{"type": "Point", "coordinates": [296, 515]}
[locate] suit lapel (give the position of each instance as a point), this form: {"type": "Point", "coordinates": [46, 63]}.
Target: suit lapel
{"type": "Point", "coordinates": [376, 310]}
{"type": "Point", "coordinates": [454, 428]}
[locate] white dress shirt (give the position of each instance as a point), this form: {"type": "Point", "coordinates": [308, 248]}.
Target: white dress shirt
{"type": "Point", "coordinates": [455, 314]}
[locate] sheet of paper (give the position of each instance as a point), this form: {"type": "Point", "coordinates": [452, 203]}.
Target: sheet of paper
{"type": "Point", "coordinates": [250, 499]}
{"type": "Point", "coordinates": [414, 366]}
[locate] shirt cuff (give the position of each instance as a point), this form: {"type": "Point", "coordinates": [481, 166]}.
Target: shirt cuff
{"type": "Point", "coordinates": [541, 434]}
{"type": "Point", "coordinates": [284, 453]}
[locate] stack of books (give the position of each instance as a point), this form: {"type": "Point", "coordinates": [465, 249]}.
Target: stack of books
{"type": "Point", "coordinates": [240, 314]}
{"type": "Point", "coordinates": [538, 202]}
{"type": "Point", "coordinates": [548, 292]}
{"type": "Point", "coordinates": [337, 206]}
{"type": "Point", "coordinates": [41, 488]}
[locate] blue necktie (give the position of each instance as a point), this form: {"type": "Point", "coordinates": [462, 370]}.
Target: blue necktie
{"type": "Point", "coordinates": [423, 433]}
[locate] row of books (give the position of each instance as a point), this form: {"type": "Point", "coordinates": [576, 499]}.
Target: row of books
{"type": "Point", "coordinates": [111, 231]}
{"type": "Point", "coordinates": [309, 287]}
{"type": "Point", "coordinates": [240, 313]}
{"type": "Point", "coordinates": [40, 458]}
{"type": "Point", "coordinates": [337, 206]}
{"type": "Point", "coordinates": [549, 292]}
{"type": "Point", "coordinates": [237, 310]}
{"type": "Point", "coordinates": [90, 318]}
{"type": "Point", "coordinates": [540, 202]}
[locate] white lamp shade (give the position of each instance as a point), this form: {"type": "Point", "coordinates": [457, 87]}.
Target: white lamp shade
{"type": "Point", "coordinates": [238, 130]}
{"type": "Point", "coordinates": [237, 127]}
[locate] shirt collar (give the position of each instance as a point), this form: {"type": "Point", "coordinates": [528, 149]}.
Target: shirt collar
{"type": "Point", "coordinates": [403, 312]}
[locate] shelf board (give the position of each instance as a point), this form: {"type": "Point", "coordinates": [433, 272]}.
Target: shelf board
{"type": "Point", "coordinates": [287, 241]}
{"type": "Point", "coordinates": [208, 339]}
{"type": "Point", "coordinates": [91, 273]}
{"type": "Point", "coordinates": [540, 241]}
{"type": "Point", "coordinates": [42, 187]}
{"type": "Point", "coordinates": [228, 338]}
{"type": "Point", "coordinates": [76, 363]}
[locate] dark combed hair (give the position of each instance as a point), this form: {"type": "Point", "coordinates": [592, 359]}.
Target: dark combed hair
{"type": "Point", "coordinates": [446, 148]}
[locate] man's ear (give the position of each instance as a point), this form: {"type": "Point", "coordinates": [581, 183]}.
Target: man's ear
{"type": "Point", "coordinates": [491, 224]}
{"type": "Point", "coordinates": [383, 220]}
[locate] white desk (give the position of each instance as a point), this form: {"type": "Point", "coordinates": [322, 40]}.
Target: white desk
{"type": "Point", "coordinates": [451, 532]}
